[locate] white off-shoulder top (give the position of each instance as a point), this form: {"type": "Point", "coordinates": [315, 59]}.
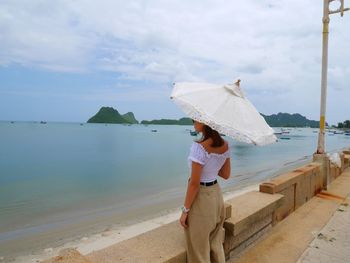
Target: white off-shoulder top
{"type": "Point", "coordinates": [211, 162]}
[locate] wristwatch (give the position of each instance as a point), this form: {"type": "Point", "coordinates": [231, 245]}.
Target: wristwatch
{"type": "Point", "coordinates": [185, 210]}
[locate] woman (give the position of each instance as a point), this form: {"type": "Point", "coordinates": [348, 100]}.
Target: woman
{"type": "Point", "coordinates": [203, 213]}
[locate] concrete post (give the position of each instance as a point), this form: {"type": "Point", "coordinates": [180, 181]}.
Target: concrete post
{"type": "Point", "coordinates": [325, 167]}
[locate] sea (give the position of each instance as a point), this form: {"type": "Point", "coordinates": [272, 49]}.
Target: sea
{"type": "Point", "coordinates": [60, 181]}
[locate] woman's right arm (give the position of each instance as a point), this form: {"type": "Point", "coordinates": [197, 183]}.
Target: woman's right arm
{"type": "Point", "coordinates": [225, 171]}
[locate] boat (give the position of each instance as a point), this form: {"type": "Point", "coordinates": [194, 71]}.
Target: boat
{"type": "Point", "coordinates": [193, 133]}
{"type": "Point", "coordinates": [285, 138]}
{"type": "Point", "coordinates": [278, 133]}
{"type": "Point", "coordinates": [153, 130]}
{"type": "Point", "coordinates": [43, 122]}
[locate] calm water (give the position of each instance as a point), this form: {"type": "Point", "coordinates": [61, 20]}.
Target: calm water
{"type": "Point", "coordinates": [56, 177]}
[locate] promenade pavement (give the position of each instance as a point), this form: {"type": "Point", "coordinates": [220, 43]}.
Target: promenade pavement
{"type": "Point", "coordinates": [332, 243]}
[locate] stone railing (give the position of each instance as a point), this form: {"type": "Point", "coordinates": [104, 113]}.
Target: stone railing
{"type": "Point", "coordinates": [249, 216]}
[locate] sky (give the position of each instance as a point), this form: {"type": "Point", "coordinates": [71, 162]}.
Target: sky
{"type": "Point", "coordinates": [63, 60]}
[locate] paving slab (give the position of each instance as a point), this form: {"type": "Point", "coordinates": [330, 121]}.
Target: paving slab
{"type": "Point", "coordinates": [332, 243]}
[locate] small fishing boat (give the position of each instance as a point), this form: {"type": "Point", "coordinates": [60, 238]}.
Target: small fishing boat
{"type": "Point", "coordinates": [193, 133]}
{"type": "Point", "coordinates": [285, 130]}
{"type": "Point", "coordinates": [153, 130]}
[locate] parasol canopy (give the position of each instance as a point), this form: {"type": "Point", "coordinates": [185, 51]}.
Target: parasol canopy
{"type": "Point", "coordinates": [225, 109]}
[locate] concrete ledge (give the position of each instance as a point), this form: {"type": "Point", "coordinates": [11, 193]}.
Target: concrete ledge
{"type": "Point", "coordinates": [250, 208]}
{"type": "Point", "coordinates": [279, 183]}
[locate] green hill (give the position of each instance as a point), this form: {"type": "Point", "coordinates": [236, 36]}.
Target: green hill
{"type": "Point", "coordinates": [130, 118]}
{"type": "Point", "coordinates": [182, 121]}
{"type": "Point", "coordinates": [289, 120]}
{"type": "Point", "coordinates": [111, 115]}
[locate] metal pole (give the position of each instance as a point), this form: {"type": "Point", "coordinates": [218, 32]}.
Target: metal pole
{"type": "Point", "coordinates": [321, 146]}
{"type": "Point", "coordinates": [325, 19]}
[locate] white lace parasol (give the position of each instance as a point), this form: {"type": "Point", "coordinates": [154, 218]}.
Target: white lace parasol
{"type": "Point", "coordinates": [225, 109]}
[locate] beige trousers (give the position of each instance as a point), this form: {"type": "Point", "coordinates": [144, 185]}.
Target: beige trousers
{"type": "Point", "coordinates": [205, 233]}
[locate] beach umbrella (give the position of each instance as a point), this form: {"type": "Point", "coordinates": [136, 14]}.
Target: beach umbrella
{"type": "Point", "coordinates": [224, 108]}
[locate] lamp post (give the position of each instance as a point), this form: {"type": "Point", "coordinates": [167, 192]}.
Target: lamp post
{"type": "Point", "coordinates": [326, 13]}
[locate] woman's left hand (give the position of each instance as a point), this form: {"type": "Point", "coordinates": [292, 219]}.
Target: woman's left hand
{"type": "Point", "coordinates": [183, 220]}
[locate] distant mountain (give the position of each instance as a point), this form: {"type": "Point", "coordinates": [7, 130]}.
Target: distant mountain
{"type": "Point", "coordinates": [182, 121]}
{"type": "Point", "coordinates": [274, 120]}
{"type": "Point", "coordinates": [111, 115]}
{"type": "Point", "coordinates": [289, 120]}
{"type": "Point", "coordinates": [129, 117]}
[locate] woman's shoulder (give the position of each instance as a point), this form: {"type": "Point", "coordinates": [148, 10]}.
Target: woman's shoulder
{"type": "Point", "coordinates": [198, 153]}
{"type": "Point", "coordinates": [206, 147]}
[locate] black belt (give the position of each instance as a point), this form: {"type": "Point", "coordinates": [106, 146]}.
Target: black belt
{"type": "Point", "coordinates": [209, 184]}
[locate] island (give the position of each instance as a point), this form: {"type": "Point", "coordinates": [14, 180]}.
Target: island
{"type": "Point", "coordinates": [111, 115]}
{"type": "Point", "coordinates": [182, 121]}
{"type": "Point", "coordinates": [289, 120]}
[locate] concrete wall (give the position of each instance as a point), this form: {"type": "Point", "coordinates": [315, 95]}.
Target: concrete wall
{"type": "Point", "coordinates": [249, 216]}
{"type": "Point", "coordinates": [297, 187]}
